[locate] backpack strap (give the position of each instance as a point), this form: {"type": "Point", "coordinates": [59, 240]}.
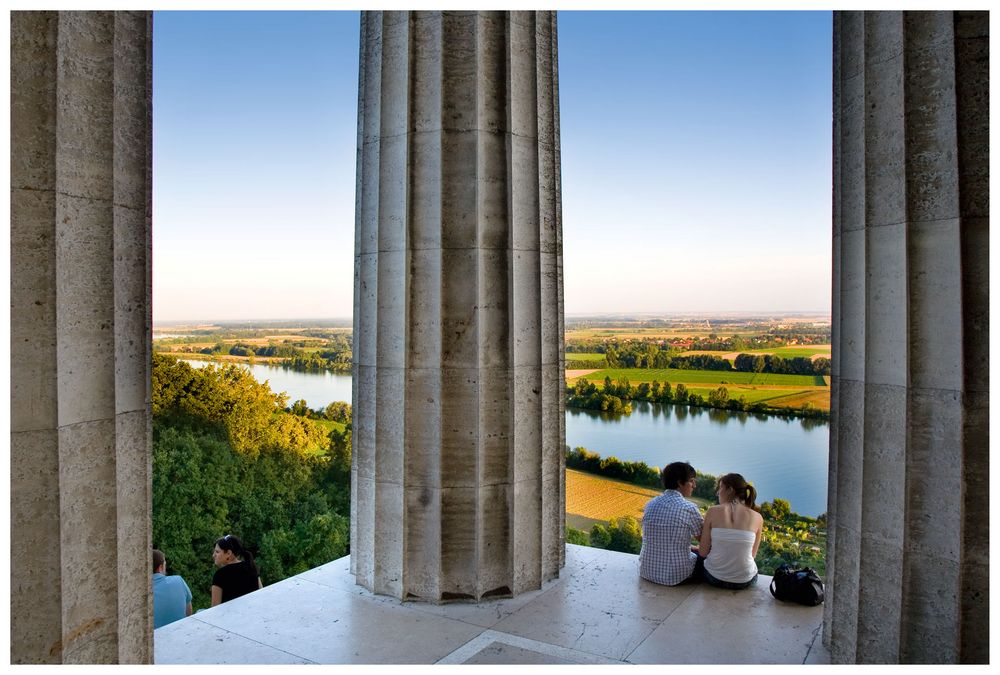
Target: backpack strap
{"type": "Point", "coordinates": [771, 588]}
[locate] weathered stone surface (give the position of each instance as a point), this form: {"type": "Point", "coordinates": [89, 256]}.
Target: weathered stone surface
{"type": "Point", "coordinates": [80, 324]}
{"type": "Point", "coordinates": [35, 572]}
{"type": "Point", "coordinates": [458, 306]}
{"type": "Point", "coordinates": [935, 300]}
{"type": "Point", "coordinates": [88, 524]}
{"type": "Point", "coordinates": [32, 309]}
{"type": "Point", "coordinates": [133, 477]}
{"type": "Point", "coordinates": [908, 466]}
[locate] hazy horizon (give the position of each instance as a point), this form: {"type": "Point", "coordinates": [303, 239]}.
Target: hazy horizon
{"type": "Point", "coordinates": [577, 315]}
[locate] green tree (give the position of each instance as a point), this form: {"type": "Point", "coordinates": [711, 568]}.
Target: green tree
{"type": "Point", "coordinates": [620, 534]}
{"type": "Point", "coordinates": [309, 543]}
{"type": "Point", "coordinates": [625, 535]}
{"type": "Point", "coordinates": [195, 480]}
{"type": "Point", "coordinates": [338, 411]}
{"type": "Point", "coordinates": [680, 393]}
{"type": "Point", "coordinates": [599, 536]}
{"type": "Point", "coordinates": [300, 408]}
{"type": "Point", "coordinates": [228, 459]}
{"type": "Point", "coordinates": [718, 398]}
{"type": "Point", "coordinates": [778, 509]}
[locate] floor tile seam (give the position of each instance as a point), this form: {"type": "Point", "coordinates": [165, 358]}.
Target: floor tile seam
{"type": "Point", "coordinates": [659, 622]}
{"type": "Point", "coordinates": [549, 648]}
{"type": "Point", "coordinates": [250, 639]}
{"type": "Point", "coordinates": [816, 632]}
{"type": "Point", "coordinates": [467, 650]}
{"type": "Point", "coordinates": [652, 624]}
{"type": "Point", "coordinates": [546, 648]}
{"type": "Point", "coordinates": [542, 594]}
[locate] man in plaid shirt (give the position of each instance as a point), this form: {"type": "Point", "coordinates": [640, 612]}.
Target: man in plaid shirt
{"type": "Point", "coordinates": [669, 523]}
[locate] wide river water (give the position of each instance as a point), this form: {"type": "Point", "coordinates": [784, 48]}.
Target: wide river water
{"type": "Point", "coordinates": [784, 458]}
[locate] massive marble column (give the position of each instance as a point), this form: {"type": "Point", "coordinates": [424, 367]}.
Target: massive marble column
{"type": "Point", "coordinates": [909, 463]}
{"type": "Point", "coordinates": [80, 337]}
{"type": "Point", "coordinates": [458, 471]}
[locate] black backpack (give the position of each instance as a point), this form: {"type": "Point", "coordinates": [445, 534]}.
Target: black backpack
{"type": "Point", "coordinates": [802, 586]}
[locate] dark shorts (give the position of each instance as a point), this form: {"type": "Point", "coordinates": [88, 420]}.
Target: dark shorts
{"type": "Point", "coordinates": [729, 585]}
{"type": "Point", "coordinates": [698, 575]}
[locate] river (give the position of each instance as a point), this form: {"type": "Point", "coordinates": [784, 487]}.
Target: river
{"type": "Point", "coordinates": [782, 457]}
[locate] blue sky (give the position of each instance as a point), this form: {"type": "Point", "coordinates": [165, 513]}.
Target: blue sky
{"type": "Point", "coordinates": [695, 146]}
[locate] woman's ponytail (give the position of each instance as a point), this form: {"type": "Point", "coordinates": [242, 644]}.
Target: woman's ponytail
{"type": "Point", "coordinates": [248, 556]}
{"type": "Point", "coordinates": [742, 491]}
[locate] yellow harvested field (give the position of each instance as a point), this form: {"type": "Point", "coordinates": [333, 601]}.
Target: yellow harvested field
{"type": "Point", "coordinates": [573, 374]}
{"type": "Point", "coordinates": [819, 398]}
{"type": "Point", "coordinates": [592, 499]}
{"type": "Point", "coordinates": [219, 358]}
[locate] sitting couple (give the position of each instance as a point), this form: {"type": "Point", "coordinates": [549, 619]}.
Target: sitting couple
{"type": "Point", "coordinates": [728, 536]}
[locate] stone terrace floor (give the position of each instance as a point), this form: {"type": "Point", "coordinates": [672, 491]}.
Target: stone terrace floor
{"type": "Point", "coordinates": [598, 612]}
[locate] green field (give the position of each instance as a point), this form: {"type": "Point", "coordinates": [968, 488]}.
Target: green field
{"type": "Point", "coordinates": [807, 352]}
{"type": "Point", "coordinates": [751, 395]}
{"type": "Point", "coordinates": [585, 356]}
{"type": "Point", "coordinates": [677, 375]}
{"type": "Point", "coordinates": [791, 352]}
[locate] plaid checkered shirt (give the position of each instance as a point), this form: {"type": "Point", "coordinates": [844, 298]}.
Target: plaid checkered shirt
{"type": "Point", "coordinates": [669, 523]}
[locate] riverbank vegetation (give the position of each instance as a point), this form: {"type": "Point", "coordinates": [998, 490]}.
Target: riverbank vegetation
{"type": "Point", "coordinates": [759, 393]}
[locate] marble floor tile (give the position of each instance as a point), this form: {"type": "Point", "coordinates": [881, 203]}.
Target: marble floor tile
{"type": "Point", "coordinates": [612, 584]}
{"type": "Point", "coordinates": [597, 611]}
{"type": "Point", "coordinates": [719, 626]}
{"type": "Point", "coordinates": [497, 653]}
{"type": "Point", "coordinates": [604, 609]}
{"type": "Point", "coordinates": [495, 647]}
{"type": "Point", "coordinates": [192, 641]}
{"type": "Point", "coordinates": [327, 625]}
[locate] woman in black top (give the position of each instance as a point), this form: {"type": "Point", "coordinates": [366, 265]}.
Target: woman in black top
{"type": "Point", "coordinates": [237, 575]}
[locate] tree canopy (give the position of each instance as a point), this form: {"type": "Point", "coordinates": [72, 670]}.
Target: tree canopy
{"type": "Point", "coordinates": [228, 459]}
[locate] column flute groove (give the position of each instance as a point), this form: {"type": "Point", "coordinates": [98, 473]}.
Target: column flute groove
{"type": "Point", "coordinates": [453, 433]}
{"type": "Point", "coordinates": [81, 112]}
{"type": "Point", "coordinates": [907, 535]}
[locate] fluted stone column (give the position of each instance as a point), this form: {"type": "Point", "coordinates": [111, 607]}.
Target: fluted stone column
{"type": "Point", "coordinates": [909, 462]}
{"type": "Point", "coordinates": [458, 471]}
{"type": "Point", "coordinates": [80, 337]}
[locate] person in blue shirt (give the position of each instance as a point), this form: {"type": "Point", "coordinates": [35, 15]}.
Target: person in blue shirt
{"type": "Point", "coordinates": [171, 596]}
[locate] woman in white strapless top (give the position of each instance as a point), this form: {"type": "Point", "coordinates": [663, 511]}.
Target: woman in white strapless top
{"type": "Point", "coordinates": [731, 535]}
